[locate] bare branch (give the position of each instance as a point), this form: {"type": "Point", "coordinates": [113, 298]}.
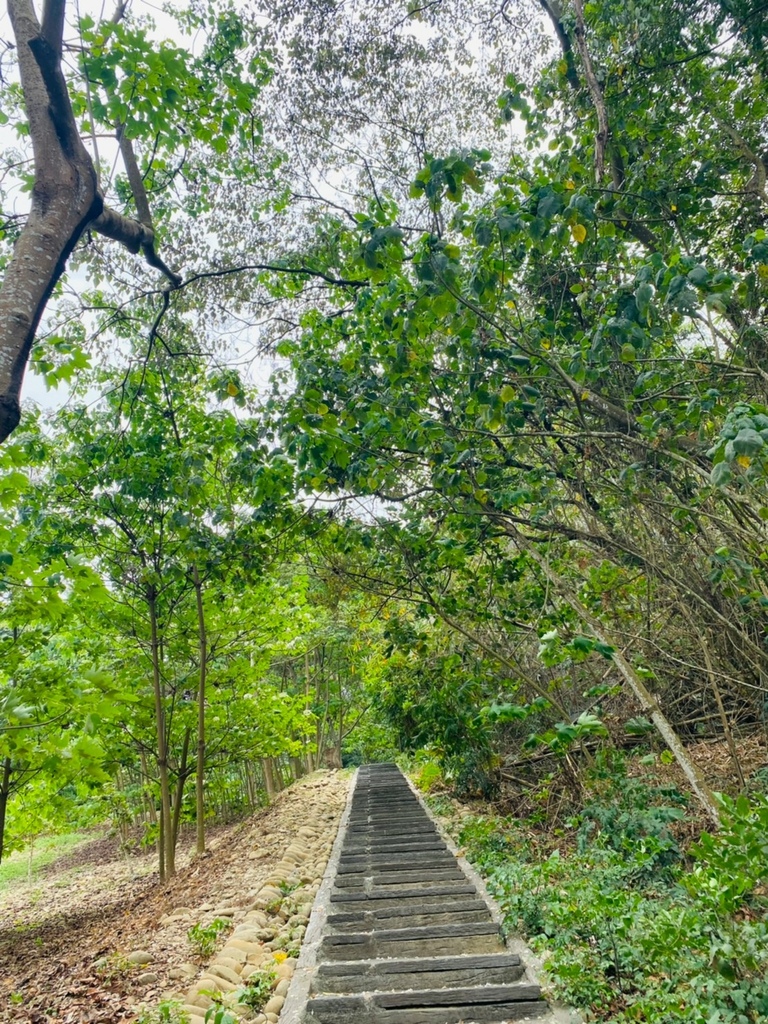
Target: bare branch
{"type": "Point", "coordinates": [601, 139]}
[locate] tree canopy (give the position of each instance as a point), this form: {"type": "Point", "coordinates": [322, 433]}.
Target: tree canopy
{"type": "Point", "coordinates": [506, 269]}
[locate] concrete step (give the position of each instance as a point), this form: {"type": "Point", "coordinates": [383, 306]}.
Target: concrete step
{"type": "Point", "coordinates": [435, 1006]}
{"type": "Point", "coordinates": [418, 973]}
{"type": "Point", "coordinates": [399, 878]}
{"type": "Point", "coordinates": [430, 861]}
{"type": "Point", "coordinates": [406, 937]}
{"type": "Point", "coordinates": [393, 844]}
{"type": "Point", "coordinates": [435, 940]}
{"type": "Point", "coordinates": [405, 892]}
{"type": "Point", "coordinates": [407, 915]}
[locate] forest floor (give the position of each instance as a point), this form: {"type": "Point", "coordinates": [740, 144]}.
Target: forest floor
{"type": "Point", "coordinates": [95, 904]}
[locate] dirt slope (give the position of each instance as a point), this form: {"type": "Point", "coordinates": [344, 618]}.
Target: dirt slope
{"type": "Point", "coordinates": [93, 904]}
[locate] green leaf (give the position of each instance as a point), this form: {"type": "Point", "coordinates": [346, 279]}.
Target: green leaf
{"type": "Point", "coordinates": [747, 442]}
{"type": "Point", "coordinates": [549, 205]}
{"type": "Point", "coordinates": [483, 231]}
{"type": "Point", "coordinates": [643, 296]}
{"type": "Point", "coordinates": [698, 276]}
{"type": "Point", "coordinates": [638, 726]}
{"type": "Point", "coordinates": [721, 474]}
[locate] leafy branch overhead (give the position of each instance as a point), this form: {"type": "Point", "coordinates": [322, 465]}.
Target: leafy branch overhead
{"type": "Point", "coordinates": [140, 94]}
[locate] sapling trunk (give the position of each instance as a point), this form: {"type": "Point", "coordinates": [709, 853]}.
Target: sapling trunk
{"type": "Point", "coordinates": [167, 863]}
{"type": "Point", "coordinates": [5, 791]}
{"type": "Point", "coordinates": [203, 659]}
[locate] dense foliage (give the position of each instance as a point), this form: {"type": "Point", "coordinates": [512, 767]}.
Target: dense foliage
{"type": "Point", "coordinates": [628, 931]}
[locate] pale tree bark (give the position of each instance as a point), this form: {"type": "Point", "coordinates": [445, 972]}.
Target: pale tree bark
{"type": "Point", "coordinates": [595, 91]}
{"type": "Point", "coordinates": [269, 779]}
{"type": "Point", "coordinates": [65, 200]}
{"type": "Point", "coordinates": [307, 745]}
{"type": "Point", "coordinates": [65, 197]}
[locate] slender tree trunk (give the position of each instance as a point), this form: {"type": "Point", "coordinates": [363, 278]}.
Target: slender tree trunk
{"type": "Point", "coordinates": [307, 744]}
{"type": "Point", "coordinates": [167, 866]}
{"type": "Point", "coordinates": [269, 781]}
{"type": "Point", "coordinates": [203, 657]}
{"type": "Point", "coordinates": [248, 784]}
{"type": "Point", "coordinates": [182, 778]}
{"type": "Point", "coordinates": [729, 737]}
{"type": "Point", "coordinates": [161, 846]}
{"type": "Point", "coordinates": [341, 729]}
{"type": "Point", "coordinates": [122, 811]}
{"type": "Point", "coordinates": [146, 785]}
{"type": "Point", "coordinates": [5, 792]}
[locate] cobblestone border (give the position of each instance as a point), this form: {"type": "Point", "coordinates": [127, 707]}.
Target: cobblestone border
{"type": "Point", "coordinates": [306, 966]}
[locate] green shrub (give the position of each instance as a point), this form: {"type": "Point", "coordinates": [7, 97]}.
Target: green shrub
{"type": "Point", "coordinates": [626, 933]}
{"type": "Point", "coordinates": [170, 1011]}
{"type": "Point", "coordinates": [429, 777]}
{"type": "Point", "coordinates": [203, 938]}
{"type": "Point", "coordinates": [631, 816]}
{"type": "Point", "coordinates": [258, 988]}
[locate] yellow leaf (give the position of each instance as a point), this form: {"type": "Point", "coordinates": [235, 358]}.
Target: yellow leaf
{"type": "Point", "coordinates": [232, 389]}
{"type": "Point", "coordinates": [570, 185]}
{"type": "Point", "coordinates": [562, 67]}
{"type": "Point", "coordinates": [673, 208]}
{"type": "Point", "coordinates": [579, 232]}
{"type": "Point", "coordinates": [744, 461]}
{"type": "Point", "coordinates": [762, 271]}
{"type": "Point", "coordinates": [507, 393]}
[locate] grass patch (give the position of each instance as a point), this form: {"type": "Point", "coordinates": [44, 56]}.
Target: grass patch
{"type": "Point", "coordinates": [16, 866]}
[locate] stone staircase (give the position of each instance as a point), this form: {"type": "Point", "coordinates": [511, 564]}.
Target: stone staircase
{"type": "Point", "coordinates": [404, 936]}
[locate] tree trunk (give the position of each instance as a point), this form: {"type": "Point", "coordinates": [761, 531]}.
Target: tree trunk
{"type": "Point", "coordinates": [269, 778]}
{"type": "Point", "coordinates": [337, 752]}
{"type": "Point", "coordinates": [5, 791]}
{"type": "Point", "coordinates": [182, 778]}
{"type": "Point", "coordinates": [167, 866]}
{"type": "Point", "coordinates": [146, 785]}
{"type": "Point", "coordinates": [161, 847]}
{"type": "Point", "coordinates": [203, 656]}
{"type": "Point", "coordinates": [65, 197]}
{"type": "Point", "coordinates": [307, 743]}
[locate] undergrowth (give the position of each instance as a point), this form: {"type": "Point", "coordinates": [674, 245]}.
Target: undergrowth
{"type": "Point", "coordinates": [632, 927]}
